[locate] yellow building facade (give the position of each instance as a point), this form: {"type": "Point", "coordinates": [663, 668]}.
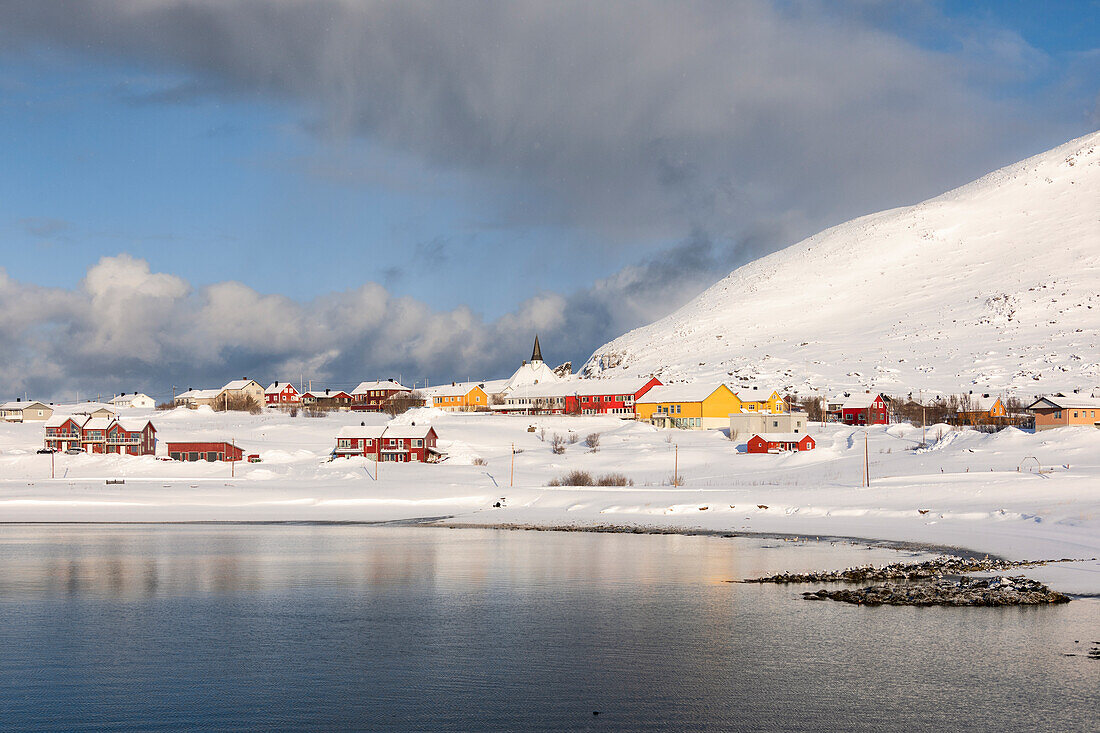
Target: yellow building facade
{"type": "Point", "coordinates": [773, 403]}
{"type": "Point", "coordinates": [692, 406]}
{"type": "Point", "coordinates": [460, 398]}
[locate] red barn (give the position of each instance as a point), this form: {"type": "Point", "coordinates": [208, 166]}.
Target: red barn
{"type": "Point", "coordinates": [205, 451]}
{"type": "Point", "coordinates": [373, 396]}
{"type": "Point", "coordinates": [780, 442]}
{"type": "Point", "coordinates": [865, 409]}
{"type": "Point", "coordinates": [282, 394]}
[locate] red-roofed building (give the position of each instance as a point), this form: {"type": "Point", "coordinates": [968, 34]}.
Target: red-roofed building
{"type": "Point", "coordinates": [780, 442]}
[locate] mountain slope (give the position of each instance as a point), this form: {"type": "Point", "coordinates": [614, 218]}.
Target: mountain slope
{"type": "Point", "coordinates": [994, 286]}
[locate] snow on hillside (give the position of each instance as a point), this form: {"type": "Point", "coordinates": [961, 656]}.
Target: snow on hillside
{"type": "Point", "coordinates": [994, 286]}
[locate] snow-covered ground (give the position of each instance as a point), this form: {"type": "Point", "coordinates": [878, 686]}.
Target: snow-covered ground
{"type": "Point", "coordinates": [965, 490]}
{"type": "Point", "coordinates": [993, 287]}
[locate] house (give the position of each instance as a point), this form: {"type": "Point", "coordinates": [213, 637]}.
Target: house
{"type": "Point", "coordinates": [137, 399]}
{"type": "Point", "coordinates": [834, 408]}
{"type": "Point", "coordinates": [19, 411]}
{"type": "Point", "coordinates": [239, 390]}
{"type": "Point", "coordinates": [132, 438]}
{"type": "Point", "coordinates": [780, 443]}
{"type": "Point", "coordinates": [373, 396]}
{"type": "Point", "coordinates": [205, 451]}
{"type": "Point", "coordinates": [101, 435]}
{"type": "Point", "coordinates": [758, 400]}
{"type": "Point", "coordinates": [458, 397]}
{"type": "Point", "coordinates": [696, 406]}
{"type": "Point", "coordinates": [865, 409]}
{"type": "Point", "coordinates": [397, 443]}
{"type": "Point", "coordinates": [1060, 411]}
{"type": "Point", "coordinates": [282, 394]}
{"type": "Point", "coordinates": [194, 398]}
{"type": "Point", "coordinates": [751, 423]}
{"type": "Point", "coordinates": [983, 410]}
{"type": "Point", "coordinates": [359, 440]}
{"type": "Point", "coordinates": [326, 399]}
{"type": "Point", "coordinates": [64, 432]}
{"type": "Point", "coordinates": [95, 409]}
{"type": "Point", "coordinates": [580, 397]}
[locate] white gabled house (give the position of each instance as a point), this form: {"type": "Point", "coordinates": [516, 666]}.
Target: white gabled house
{"type": "Point", "coordinates": [135, 399]}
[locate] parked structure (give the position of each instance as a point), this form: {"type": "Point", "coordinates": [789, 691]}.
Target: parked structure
{"type": "Point", "coordinates": [751, 423]}
{"type": "Point", "coordinates": [398, 443]}
{"type": "Point", "coordinates": [695, 406]}
{"type": "Point", "coordinates": [780, 443]}
{"type": "Point", "coordinates": [135, 399]}
{"type": "Point", "coordinates": [204, 451]}
{"type": "Point", "coordinates": [1061, 411]}
{"type": "Point", "coordinates": [101, 435]}
{"type": "Point", "coordinates": [282, 394]}
{"type": "Point", "coordinates": [19, 411]}
{"type": "Point", "coordinates": [373, 396]}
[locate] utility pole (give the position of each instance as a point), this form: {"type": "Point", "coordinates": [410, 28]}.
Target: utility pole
{"type": "Point", "coordinates": [676, 465]}
{"type": "Point", "coordinates": [512, 472]}
{"type": "Point", "coordinates": [53, 473]}
{"type": "Point", "coordinates": [866, 463]}
{"type": "Point", "coordinates": [233, 458]}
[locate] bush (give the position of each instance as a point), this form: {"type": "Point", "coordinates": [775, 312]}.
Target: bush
{"type": "Point", "coordinates": [614, 479]}
{"type": "Point", "coordinates": [315, 412]}
{"type": "Point", "coordinates": [592, 442]}
{"type": "Point", "coordinates": [165, 406]}
{"type": "Point", "coordinates": [402, 402]}
{"type": "Point", "coordinates": [675, 480]}
{"type": "Point", "coordinates": [294, 412]}
{"type": "Point", "coordinates": [479, 461]}
{"type": "Point", "coordinates": [238, 403]}
{"type": "Point", "coordinates": [573, 478]}
{"type": "Point", "coordinates": [573, 439]}
{"type": "Point", "coordinates": [557, 444]}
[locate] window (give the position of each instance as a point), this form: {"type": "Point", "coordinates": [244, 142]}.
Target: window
{"type": "Point", "coordinates": [1057, 414]}
{"type": "Point", "coordinates": [192, 456]}
{"type": "Point", "coordinates": [211, 456]}
{"type": "Point", "coordinates": [418, 443]}
{"type": "Point", "coordinates": [1075, 413]}
{"type": "Point", "coordinates": [174, 456]}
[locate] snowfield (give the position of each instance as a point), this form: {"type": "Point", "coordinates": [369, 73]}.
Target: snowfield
{"type": "Point", "coordinates": [967, 489]}
{"type": "Point", "coordinates": [993, 287]}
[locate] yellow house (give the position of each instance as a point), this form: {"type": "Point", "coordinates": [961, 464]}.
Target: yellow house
{"type": "Point", "coordinates": [756, 400]}
{"type": "Point", "coordinates": [694, 406]}
{"type": "Point", "coordinates": [458, 397]}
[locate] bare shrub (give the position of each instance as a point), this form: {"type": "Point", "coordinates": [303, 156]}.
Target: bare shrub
{"type": "Point", "coordinates": [573, 438]}
{"type": "Point", "coordinates": [592, 442]}
{"type": "Point", "coordinates": [238, 403]}
{"type": "Point", "coordinates": [614, 479]}
{"type": "Point", "coordinates": [294, 412]}
{"type": "Point", "coordinates": [576, 478]}
{"type": "Point", "coordinates": [542, 434]}
{"type": "Point", "coordinates": [165, 406]}
{"type": "Point", "coordinates": [557, 444]}
{"type": "Point", "coordinates": [553, 482]}
{"type": "Point", "coordinates": [675, 480]}
{"type": "Point", "coordinates": [315, 412]}
{"type": "Point", "coordinates": [479, 461]}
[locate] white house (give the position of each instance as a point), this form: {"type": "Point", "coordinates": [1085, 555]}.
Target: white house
{"type": "Point", "coordinates": [19, 411]}
{"type": "Point", "coordinates": [135, 399]}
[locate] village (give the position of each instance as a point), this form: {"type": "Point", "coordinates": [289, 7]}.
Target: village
{"type": "Point", "coordinates": [758, 420]}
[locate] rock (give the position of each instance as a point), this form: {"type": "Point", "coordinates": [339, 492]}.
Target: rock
{"type": "Point", "coordinates": [1016, 591]}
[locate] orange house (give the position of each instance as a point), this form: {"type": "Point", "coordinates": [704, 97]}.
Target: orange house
{"type": "Point", "coordinates": [1060, 412]}
{"type": "Point", "coordinates": [984, 410]}
{"type": "Point", "coordinates": [458, 397]}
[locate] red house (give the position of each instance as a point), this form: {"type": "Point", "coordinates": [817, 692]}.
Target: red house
{"type": "Point", "coordinates": [205, 451]}
{"type": "Point", "coordinates": [282, 394]}
{"type": "Point", "coordinates": [865, 409]}
{"type": "Point", "coordinates": [780, 442]}
{"type": "Point", "coordinates": [581, 397]}
{"type": "Point", "coordinates": [326, 399]}
{"type": "Point", "coordinates": [373, 396]}
{"type": "Point", "coordinates": [101, 435]}
{"type": "Point", "coordinates": [397, 444]}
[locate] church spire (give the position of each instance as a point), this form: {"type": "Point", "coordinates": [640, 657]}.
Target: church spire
{"type": "Point", "coordinates": [536, 354]}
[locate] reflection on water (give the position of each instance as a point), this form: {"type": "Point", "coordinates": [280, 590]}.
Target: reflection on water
{"type": "Point", "coordinates": [141, 627]}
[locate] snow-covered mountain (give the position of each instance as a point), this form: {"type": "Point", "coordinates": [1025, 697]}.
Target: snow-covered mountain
{"type": "Point", "coordinates": [994, 286]}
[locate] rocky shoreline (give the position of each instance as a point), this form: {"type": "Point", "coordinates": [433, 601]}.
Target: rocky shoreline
{"type": "Point", "coordinates": [996, 591]}
{"type": "Point", "coordinates": [930, 569]}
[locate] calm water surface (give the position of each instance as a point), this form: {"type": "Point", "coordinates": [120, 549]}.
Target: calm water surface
{"type": "Point", "coordinates": [328, 627]}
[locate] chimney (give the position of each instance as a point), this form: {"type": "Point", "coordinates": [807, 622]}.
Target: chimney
{"type": "Point", "coordinates": [276, 383]}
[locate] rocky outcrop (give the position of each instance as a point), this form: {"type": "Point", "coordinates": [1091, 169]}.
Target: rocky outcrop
{"type": "Point", "coordinates": [995, 591]}
{"type": "Point", "coordinates": [935, 568]}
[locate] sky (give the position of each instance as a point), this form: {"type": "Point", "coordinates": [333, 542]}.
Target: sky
{"type": "Point", "coordinates": [193, 191]}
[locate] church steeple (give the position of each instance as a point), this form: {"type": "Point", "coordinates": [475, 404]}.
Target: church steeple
{"type": "Point", "coordinates": [536, 354]}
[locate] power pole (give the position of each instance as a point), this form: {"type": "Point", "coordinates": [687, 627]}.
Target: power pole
{"type": "Point", "coordinates": [676, 465]}
{"type": "Point", "coordinates": [512, 472]}
{"type": "Point", "coordinates": [866, 463]}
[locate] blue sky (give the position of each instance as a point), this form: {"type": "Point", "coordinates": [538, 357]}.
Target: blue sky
{"type": "Point", "coordinates": [489, 171]}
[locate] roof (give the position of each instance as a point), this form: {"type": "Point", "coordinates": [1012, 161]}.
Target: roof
{"type": "Point", "coordinates": [237, 384]}
{"type": "Point", "coordinates": [755, 394]}
{"type": "Point", "coordinates": [322, 394]}
{"type": "Point", "coordinates": [98, 423]}
{"type": "Point", "coordinates": [407, 431]}
{"type": "Point", "coordinates": [387, 384]}
{"type": "Point", "coordinates": [782, 437]}
{"type": "Point", "coordinates": [981, 403]}
{"type": "Point", "coordinates": [199, 394]}
{"type": "Point", "coordinates": [133, 426]}
{"type": "Point", "coordinates": [458, 389]}
{"type": "Point", "coordinates": [1068, 403]}
{"type": "Point", "coordinates": [58, 420]}
{"type": "Point", "coordinates": [277, 387]}
{"type": "Point", "coordinates": [860, 401]}
{"type": "Point", "coordinates": [21, 405]}
{"type": "Point", "coordinates": [361, 431]}
{"type": "Point", "coordinates": [679, 393]}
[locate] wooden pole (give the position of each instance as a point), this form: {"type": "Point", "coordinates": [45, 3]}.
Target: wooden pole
{"type": "Point", "coordinates": [866, 463]}
{"type": "Point", "coordinates": [512, 472]}
{"type": "Point", "coordinates": [676, 466]}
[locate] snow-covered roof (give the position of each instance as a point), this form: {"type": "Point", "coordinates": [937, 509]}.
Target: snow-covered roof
{"type": "Point", "coordinates": [407, 431]}
{"type": "Point", "coordinates": [458, 389]}
{"type": "Point", "coordinates": [98, 423]}
{"type": "Point", "coordinates": [58, 420]}
{"type": "Point", "coordinates": [532, 372]}
{"type": "Point", "coordinates": [755, 394]}
{"type": "Point", "coordinates": [361, 431]}
{"type": "Point", "coordinates": [21, 405]}
{"type": "Point", "coordinates": [982, 403]}
{"type": "Point", "coordinates": [679, 393]}
{"type": "Point", "coordinates": [781, 437]}
{"type": "Point", "coordinates": [277, 387]}
{"type": "Point", "coordinates": [1069, 403]}
{"type": "Point", "coordinates": [326, 394]}
{"type": "Point", "coordinates": [238, 384]}
{"type": "Point", "coordinates": [199, 394]}
{"type": "Point", "coordinates": [860, 401]}
{"type": "Point", "coordinates": [494, 386]}
{"type": "Point", "coordinates": [133, 426]}
{"type": "Point", "coordinates": [388, 384]}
